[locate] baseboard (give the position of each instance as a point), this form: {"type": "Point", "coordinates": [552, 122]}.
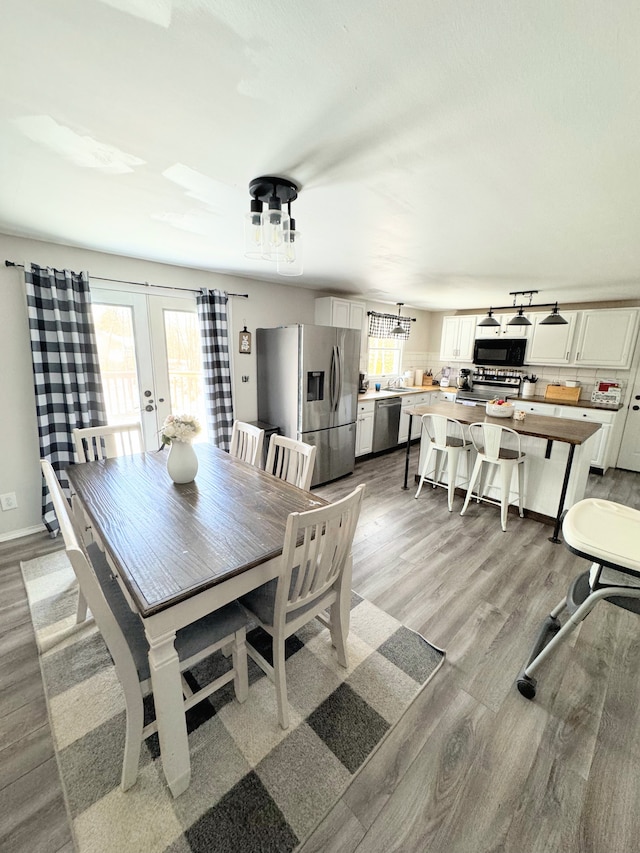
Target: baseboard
{"type": "Point", "coordinates": [24, 531]}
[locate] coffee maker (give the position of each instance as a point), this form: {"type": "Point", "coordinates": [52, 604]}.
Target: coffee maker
{"type": "Point", "coordinates": [464, 379]}
{"type": "Point", "coordinates": [363, 384]}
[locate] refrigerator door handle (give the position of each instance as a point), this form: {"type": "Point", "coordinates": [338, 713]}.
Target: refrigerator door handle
{"type": "Point", "coordinates": [339, 376]}
{"type": "Point", "coordinates": [332, 380]}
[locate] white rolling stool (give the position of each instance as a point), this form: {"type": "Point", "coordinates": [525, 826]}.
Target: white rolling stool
{"type": "Point", "coordinates": [499, 447]}
{"type": "Point", "coordinates": [607, 533]}
{"type": "Point", "coordinates": [445, 438]}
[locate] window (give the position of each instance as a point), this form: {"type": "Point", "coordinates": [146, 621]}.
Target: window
{"type": "Point", "coordinates": [385, 356]}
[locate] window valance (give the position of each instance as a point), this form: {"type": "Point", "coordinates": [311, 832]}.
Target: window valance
{"type": "Point", "coordinates": [381, 325]}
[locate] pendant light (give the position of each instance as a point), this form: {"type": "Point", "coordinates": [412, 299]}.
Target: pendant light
{"type": "Point", "coordinates": [519, 319]}
{"type": "Point", "coordinates": [489, 320]}
{"type": "Point", "coordinates": [398, 329]}
{"type": "Point", "coordinates": [554, 319]}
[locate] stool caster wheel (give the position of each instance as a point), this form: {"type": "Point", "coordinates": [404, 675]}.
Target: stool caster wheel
{"type": "Point", "coordinates": [527, 686]}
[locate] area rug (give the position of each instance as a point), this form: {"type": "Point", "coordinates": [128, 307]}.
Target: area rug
{"type": "Point", "coordinates": [254, 787]}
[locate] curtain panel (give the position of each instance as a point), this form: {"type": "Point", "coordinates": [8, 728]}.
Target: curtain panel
{"type": "Point", "coordinates": [380, 325]}
{"type": "Point", "coordinates": [66, 372]}
{"type": "Point", "coordinates": [214, 333]}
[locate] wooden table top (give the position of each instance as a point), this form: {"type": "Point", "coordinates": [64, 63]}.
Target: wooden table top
{"type": "Point", "coordinates": [172, 541]}
{"type": "Point", "coordinates": [538, 426]}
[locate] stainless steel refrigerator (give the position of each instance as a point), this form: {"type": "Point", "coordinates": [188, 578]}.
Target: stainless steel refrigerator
{"type": "Point", "coordinates": [308, 387]}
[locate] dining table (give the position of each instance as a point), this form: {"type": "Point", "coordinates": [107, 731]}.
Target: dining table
{"type": "Point", "coordinates": [180, 552]}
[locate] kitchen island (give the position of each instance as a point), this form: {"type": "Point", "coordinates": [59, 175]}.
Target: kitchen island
{"type": "Point", "coordinates": [558, 456]}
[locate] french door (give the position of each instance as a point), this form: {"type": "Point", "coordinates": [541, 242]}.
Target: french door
{"type": "Point", "coordinates": [150, 358]}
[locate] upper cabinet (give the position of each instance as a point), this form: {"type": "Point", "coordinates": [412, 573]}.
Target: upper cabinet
{"type": "Point", "coordinates": [551, 344]}
{"type": "Point", "coordinates": [331, 311]}
{"type": "Point", "coordinates": [347, 314]}
{"type": "Point", "coordinates": [504, 329]}
{"type": "Point", "coordinates": [458, 335]}
{"type": "Point", "coordinates": [606, 337]}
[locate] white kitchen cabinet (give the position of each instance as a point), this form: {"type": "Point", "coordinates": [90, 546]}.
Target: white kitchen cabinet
{"type": "Point", "coordinates": [552, 344]}
{"type": "Point", "coordinates": [504, 330]}
{"type": "Point", "coordinates": [364, 428]}
{"type": "Point", "coordinates": [607, 337]}
{"type": "Point", "coordinates": [347, 314]}
{"type": "Point", "coordinates": [546, 409]}
{"type": "Point", "coordinates": [409, 400]}
{"type": "Point", "coordinates": [602, 448]}
{"type": "Point", "coordinates": [458, 335]}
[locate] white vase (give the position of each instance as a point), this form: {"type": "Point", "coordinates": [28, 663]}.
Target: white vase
{"type": "Point", "coordinates": [182, 462]}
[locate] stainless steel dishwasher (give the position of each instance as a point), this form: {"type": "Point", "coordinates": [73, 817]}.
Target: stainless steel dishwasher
{"type": "Point", "coordinates": [386, 423]}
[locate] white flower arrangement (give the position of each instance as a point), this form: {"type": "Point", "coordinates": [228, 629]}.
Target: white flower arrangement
{"type": "Point", "coordinates": [180, 428]}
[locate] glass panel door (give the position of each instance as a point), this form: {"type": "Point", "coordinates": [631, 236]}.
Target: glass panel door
{"type": "Point", "coordinates": [149, 351]}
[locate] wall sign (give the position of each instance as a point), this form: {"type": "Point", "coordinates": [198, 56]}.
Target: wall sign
{"type": "Point", "coordinates": [245, 341]}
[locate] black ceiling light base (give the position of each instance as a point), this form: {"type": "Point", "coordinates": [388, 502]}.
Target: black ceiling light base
{"type": "Point", "coordinates": [268, 187]}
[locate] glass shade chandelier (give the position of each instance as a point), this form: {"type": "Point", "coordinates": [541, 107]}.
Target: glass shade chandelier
{"type": "Point", "coordinates": [270, 234]}
{"type": "Point", "coordinates": [553, 319]}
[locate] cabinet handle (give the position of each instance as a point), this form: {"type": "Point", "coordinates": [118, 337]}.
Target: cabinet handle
{"type": "Point", "coordinates": [577, 356]}
{"type": "Point", "coordinates": [568, 356]}
{"type": "Point", "coordinates": [635, 408]}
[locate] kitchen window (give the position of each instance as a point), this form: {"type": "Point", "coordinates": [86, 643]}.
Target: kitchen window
{"type": "Point", "coordinates": [385, 356]}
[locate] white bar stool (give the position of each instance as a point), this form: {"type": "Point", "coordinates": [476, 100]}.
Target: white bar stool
{"type": "Point", "coordinates": [608, 534]}
{"type": "Point", "coordinates": [445, 437]}
{"type": "Point", "coordinates": [496, 446]}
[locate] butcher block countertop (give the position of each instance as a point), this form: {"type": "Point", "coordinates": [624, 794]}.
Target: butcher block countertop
{"type": "Point", "coordinates": [372, 394]}
{"type": "Point", "coordinates": [538, 426]}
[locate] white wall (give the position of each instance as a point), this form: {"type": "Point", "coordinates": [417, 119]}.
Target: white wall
{"type": "Point", "coordinates": [268, 305]}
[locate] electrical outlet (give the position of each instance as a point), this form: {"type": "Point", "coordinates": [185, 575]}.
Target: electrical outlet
{"type": "Point", "coordinates": [9, 501]}
{"type": "Point", "coordinates": [245, 378]}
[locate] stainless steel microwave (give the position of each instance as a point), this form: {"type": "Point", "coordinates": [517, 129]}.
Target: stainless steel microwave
{"type": "Point", "coordinates": [500, 352]}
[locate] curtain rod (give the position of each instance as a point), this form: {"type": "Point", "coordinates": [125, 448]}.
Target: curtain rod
{"type": "Point", "coordinates": [392, 316]}
{"type": "Point", "coordinates": [143, 283]}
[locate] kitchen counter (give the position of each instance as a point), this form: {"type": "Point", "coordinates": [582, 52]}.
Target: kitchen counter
{"type": "Point", "coordinates": [372, 394]}
{"type": "Point", "coordinates": [558, 451]}
{"type": "Point", "coordinates": [580, 404]}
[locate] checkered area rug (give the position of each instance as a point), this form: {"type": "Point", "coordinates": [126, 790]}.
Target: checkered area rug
{"type": "Point", "coordinates": [254, 787]}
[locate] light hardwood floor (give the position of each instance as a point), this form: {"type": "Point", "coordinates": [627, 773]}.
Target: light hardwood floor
{"type": "Point", "coordinates": [472, 766]}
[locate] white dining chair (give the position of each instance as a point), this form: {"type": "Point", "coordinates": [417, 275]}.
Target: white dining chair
{"type": "Point", "coordinates": [123, 633]}
{"type": "Point", "coordinates": [445, 439]}
{"type": "Point", "coordinates": [105, 442]}
{"type": "Point", "coordinates": [314, 576]}
{"type": "Point", "coordinates": [246, 443]}
{"type": "Point", "coordinates": [291, 460]}
{"type": "Point", "coordinates": [497, 447]}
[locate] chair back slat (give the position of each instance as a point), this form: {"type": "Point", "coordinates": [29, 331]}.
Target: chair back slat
{"type": "Point", "coordinates": [88, 581]}
{"type": "Point", "coordinates": [106, 442]}
{"type": "Point", "coordinates": [443, 431]}
{"type": "Point", "coordinates": [316, 565]}
{"type": "Point", "coordinates": [291, 460]}
{"type": "Point", "coordinates": [246, 443]}
{"type": "Point", "coordinates": [490, 439]}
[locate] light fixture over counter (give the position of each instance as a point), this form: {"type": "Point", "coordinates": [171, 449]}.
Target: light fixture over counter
{"type": "Point", "coordinates": [553, 319]}
{"type": "Point", "coordinates": [271, 234]}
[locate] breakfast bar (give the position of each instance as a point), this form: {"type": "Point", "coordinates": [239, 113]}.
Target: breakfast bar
{"type": "Point", "coordinates": [558, 456]}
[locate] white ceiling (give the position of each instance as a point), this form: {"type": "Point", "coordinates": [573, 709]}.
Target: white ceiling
{"type": "Point", "coordinates": [449, 152]}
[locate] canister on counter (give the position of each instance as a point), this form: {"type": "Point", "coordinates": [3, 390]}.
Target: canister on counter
{"type": "Point", "coordinates": [419, 376]}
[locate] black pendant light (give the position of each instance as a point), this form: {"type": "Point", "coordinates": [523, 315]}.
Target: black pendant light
{"type": "Point", "coordinates": [519, 319]}
{"type": "Point", "coordinates": [489, 320]}
{"type": "Point", "coordinates": [554, 319]}
{"type": "Point", "coordinates": [398, 329]}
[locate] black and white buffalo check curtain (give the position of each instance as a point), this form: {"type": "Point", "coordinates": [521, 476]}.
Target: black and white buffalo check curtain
{"type": "Point", "coordinates": [66, 372]}
{"type": "Point", "coordinates": [214, 333]}
{"type": "Point", "coordinates": [380, 325]}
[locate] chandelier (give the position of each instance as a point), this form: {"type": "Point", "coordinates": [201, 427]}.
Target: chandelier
{"type": "Point", "coordinates": [270, 234]}
{"type": "Point", "coordinates": [553, 319]}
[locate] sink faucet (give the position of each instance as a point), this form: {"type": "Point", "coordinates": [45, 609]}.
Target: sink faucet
{"type": "Point", "coordinates": [394, 383]}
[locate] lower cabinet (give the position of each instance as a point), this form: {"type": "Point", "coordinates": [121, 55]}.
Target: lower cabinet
{"type": "Point", "coordinates": [408, 401]}
{"type": "Point", "coordinates": [364, 428]}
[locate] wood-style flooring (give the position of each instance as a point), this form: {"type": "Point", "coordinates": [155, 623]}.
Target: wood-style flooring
{"type": "Point", "coordinates": [472, 766]}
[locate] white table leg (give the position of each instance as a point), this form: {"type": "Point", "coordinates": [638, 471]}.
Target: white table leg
{"type": "Point", "coordinates": [172, 726]}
